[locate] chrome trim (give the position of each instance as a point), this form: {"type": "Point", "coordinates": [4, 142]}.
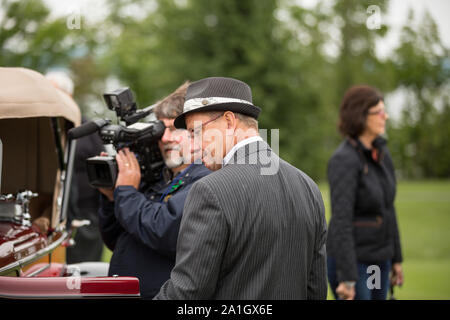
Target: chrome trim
{"type": "Point", "coordinates": [22, 262]}
{"type": "Point", "coordinates": [66, 179]}
{"type": "Point", "coordinates": [35, 273]}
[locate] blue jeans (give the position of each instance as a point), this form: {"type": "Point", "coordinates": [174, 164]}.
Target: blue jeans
{"type": "Point", "coordinates": [362, 290]}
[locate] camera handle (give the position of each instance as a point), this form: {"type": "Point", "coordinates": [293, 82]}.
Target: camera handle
{"type": "Point", "coordinates": [129, 120]}
{"type": "Point", "coordinates": [87, 128]}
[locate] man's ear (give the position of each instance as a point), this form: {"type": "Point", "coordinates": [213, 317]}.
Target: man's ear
{"type": "Point", "coordinates": [231, 120]}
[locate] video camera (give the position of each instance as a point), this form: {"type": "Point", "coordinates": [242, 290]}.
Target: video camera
{"type": "Point", "coordinates": [141, 138]}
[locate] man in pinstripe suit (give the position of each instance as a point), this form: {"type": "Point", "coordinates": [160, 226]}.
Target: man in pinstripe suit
{"type": "Point", "coordinates": [255, 228]}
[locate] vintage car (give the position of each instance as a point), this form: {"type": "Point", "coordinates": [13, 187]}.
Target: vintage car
{"type": "Point", "coordinates": [36, 165]}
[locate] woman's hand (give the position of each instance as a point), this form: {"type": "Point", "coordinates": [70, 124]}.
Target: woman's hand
{"type": "Point", "coordinates": [397, 274]}
{"type": "Point", "coordinates": [345, 292]}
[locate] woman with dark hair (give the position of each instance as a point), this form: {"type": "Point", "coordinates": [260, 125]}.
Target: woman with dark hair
{"type": "Point", "coordinates": [363, 242]}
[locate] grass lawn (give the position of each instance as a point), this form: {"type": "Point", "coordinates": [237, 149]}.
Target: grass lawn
{"type": "Point", "coordinates": [423, 210]}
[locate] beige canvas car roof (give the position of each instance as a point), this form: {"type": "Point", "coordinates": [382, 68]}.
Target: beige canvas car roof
{"type": "Point", "coordinates": [27, 102]}
{"type": "Point", "coordinates": [25, 93]}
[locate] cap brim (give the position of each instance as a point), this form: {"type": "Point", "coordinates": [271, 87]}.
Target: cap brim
{"type": "Point", "coordinates": [246, 109]}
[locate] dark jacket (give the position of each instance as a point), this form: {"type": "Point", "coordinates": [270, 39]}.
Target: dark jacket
{"type": "Point", "coordinates": [143, 232]}
{"type": "Point", "coordinates": [363, 225]}
{"type": "Point", "coordinates": [84, 203]}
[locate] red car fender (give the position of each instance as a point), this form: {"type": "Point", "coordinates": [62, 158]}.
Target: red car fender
{"type": "Point", "coordinates": [68, 287]}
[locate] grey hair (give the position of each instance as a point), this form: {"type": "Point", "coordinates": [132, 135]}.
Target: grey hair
{"type": "Point", "coordinates": [246, 120]}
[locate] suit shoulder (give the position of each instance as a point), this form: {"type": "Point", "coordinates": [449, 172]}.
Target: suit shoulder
{"type": "Point", "coordinates": [214, 177]}
{"type": "Point", "coordinates": [200, 171]}
{"type": "Point", "coordinates": [208, 179]}
{"type": "Point", "coordinates": [230, 178]}
{"type": "Point", "coordinates": [307, 180]}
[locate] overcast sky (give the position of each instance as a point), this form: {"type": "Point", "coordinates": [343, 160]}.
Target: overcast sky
{"type": "Point", "coordinates": [395, 18]}
{"type": "Point", "coordinates": [398, 13]}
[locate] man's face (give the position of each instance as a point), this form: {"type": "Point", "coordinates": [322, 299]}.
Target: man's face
{"type": "Point", "coordinates": [174, 145]}
{"type": "Point", "coordinates": [207, 136]}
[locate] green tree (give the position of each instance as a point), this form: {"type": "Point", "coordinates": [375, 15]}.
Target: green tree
{"type": "Point", "coordinates": [422, 67]}
{"type": "Point", "coordinates": [30, 38]}
{"type": "Point", "coordinates": [335, 50]}
{"type": "Point", "coordinates": [298, 61]}
{"type": "Point", "coordinates": [241, 39]}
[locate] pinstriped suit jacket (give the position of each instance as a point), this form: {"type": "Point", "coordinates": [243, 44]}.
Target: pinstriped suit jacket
{"type": "Point", "coordinates": [247, 235]}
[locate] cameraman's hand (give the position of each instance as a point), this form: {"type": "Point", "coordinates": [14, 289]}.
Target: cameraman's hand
{"type": "Point", "coordinates": [129, 170]}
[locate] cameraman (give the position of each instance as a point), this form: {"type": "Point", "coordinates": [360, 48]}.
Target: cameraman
{"type": "Point", "coordinates": [140, 224]}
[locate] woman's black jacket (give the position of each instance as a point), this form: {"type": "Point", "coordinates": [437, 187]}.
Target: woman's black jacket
{"type": "Point", "coordinates": [363, 225]}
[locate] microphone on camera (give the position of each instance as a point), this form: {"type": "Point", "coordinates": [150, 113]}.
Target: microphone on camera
{"type": "Point", "coordinates": [87, 128]}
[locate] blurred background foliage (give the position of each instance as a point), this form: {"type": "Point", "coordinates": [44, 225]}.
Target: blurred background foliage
{"type": "Point", "coordinates": [299, 62]}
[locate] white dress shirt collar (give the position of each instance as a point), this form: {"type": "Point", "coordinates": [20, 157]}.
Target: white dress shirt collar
{"type": "Point", "coordinates": [239, 145]}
